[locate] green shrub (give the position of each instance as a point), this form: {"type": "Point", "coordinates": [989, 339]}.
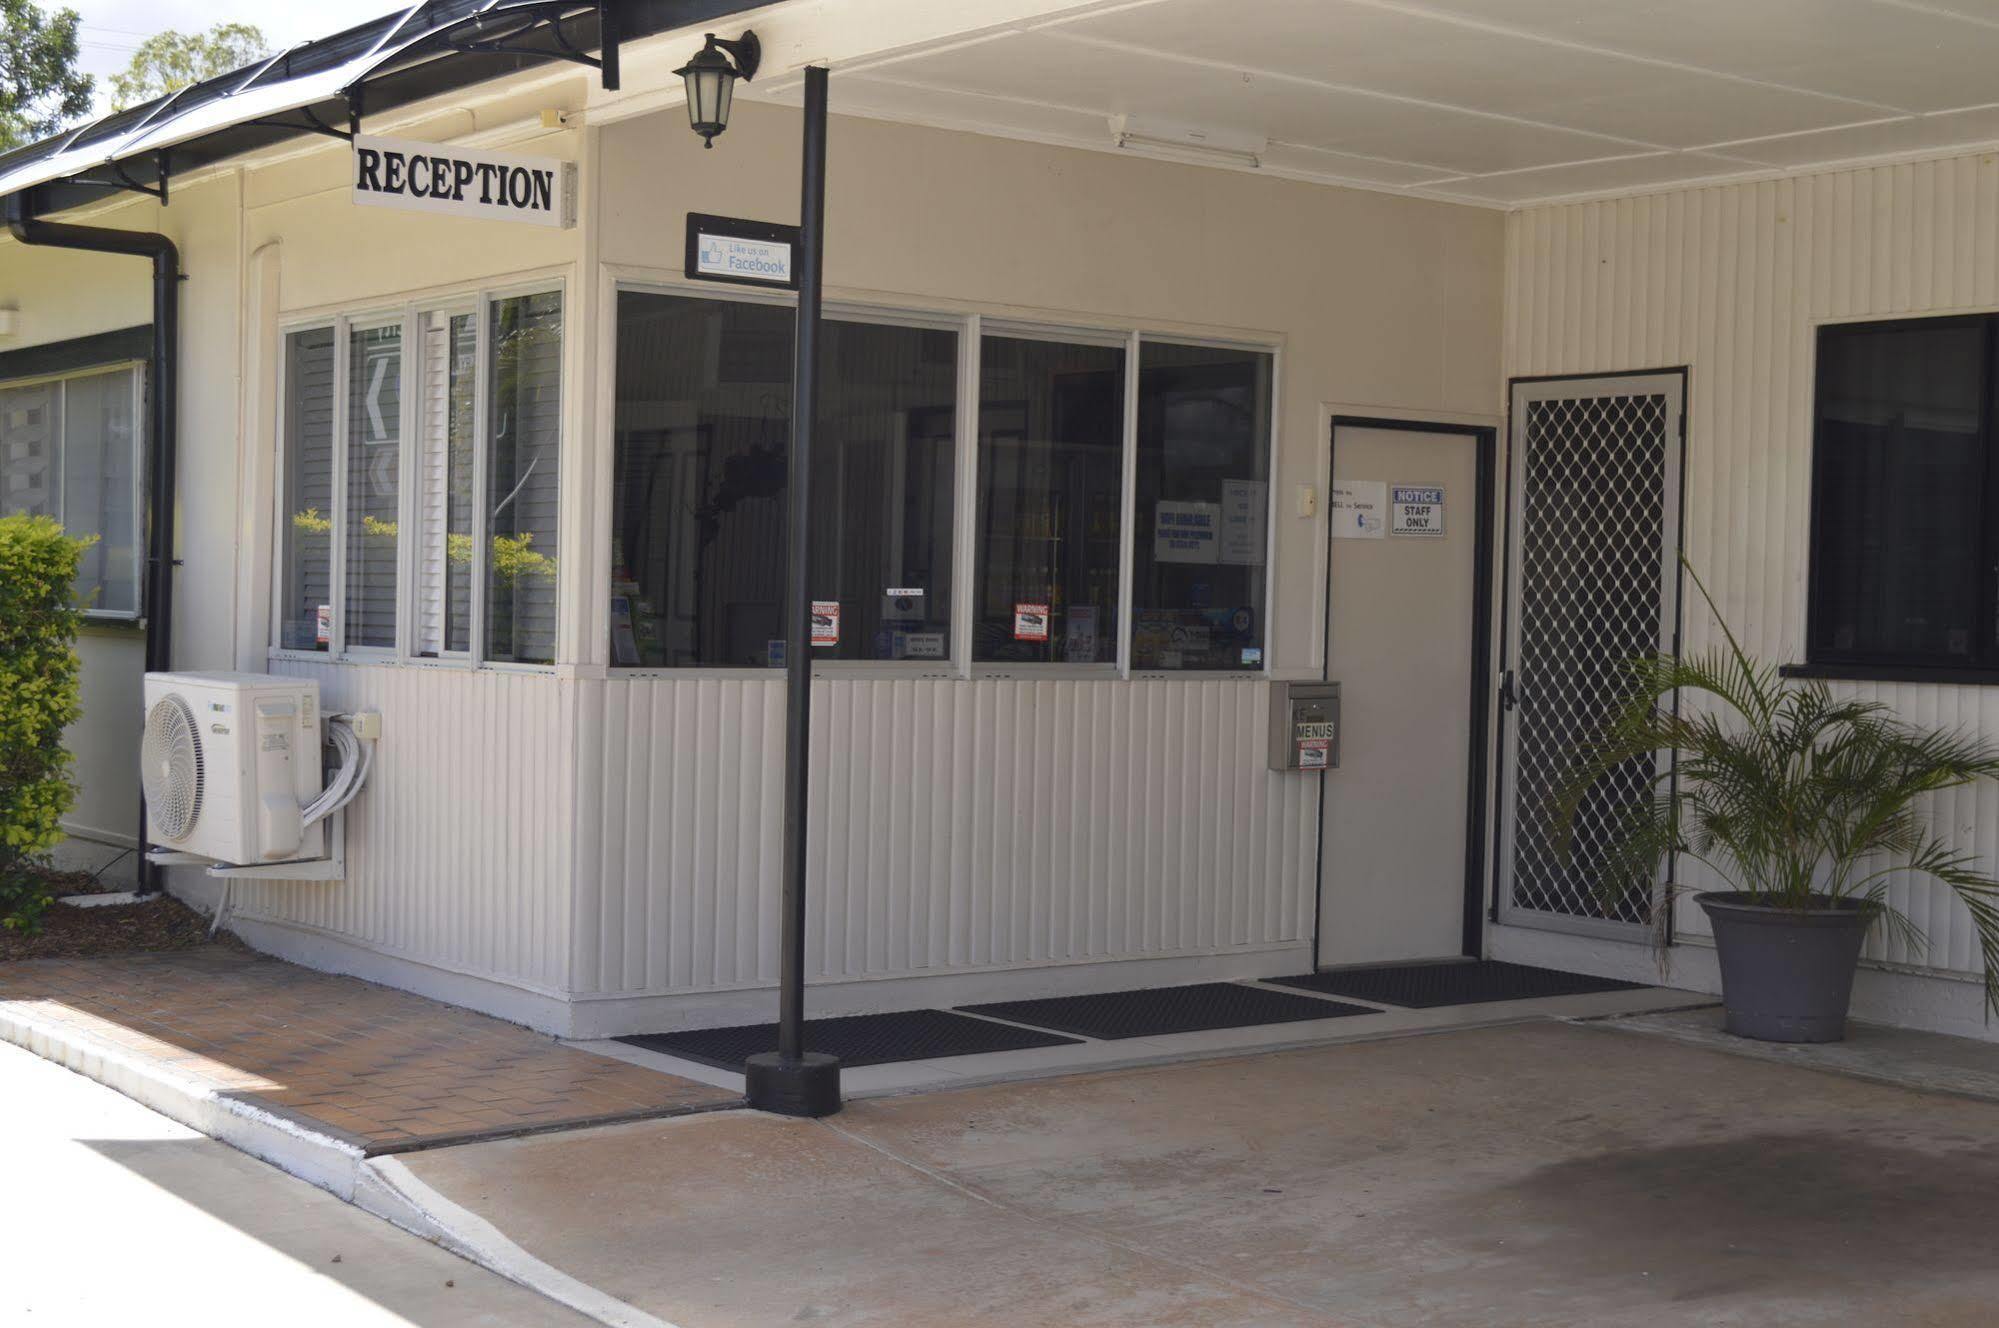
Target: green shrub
{"type": "Point", "coordinates": [38, 700]}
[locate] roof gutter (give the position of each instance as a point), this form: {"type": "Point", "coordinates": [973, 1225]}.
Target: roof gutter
{"type": "Point", "coordinates": [164, 413]}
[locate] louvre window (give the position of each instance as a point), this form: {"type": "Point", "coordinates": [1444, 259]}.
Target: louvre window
{"type": "Point", "coordinates": [443, 492]}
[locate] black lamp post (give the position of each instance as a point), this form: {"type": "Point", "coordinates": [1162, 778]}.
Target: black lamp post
{"type": "Point", "coordinates": [790, 1081]}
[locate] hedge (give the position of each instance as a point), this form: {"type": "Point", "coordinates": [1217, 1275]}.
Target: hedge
{"type": "Point", "coordinates": [38, 700]}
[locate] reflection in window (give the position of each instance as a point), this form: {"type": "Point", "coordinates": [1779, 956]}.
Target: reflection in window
{"type": "Point", "coordinates": [374, 455]}
{"type": "Point", "coordinates": [1050, 426]}
{"type": "Point", "coordinates": [1200, 538]}
{"type": "Point", "coordinates": [69, 449]}
{"type": "Point", "coordinates": [305, 564]}
{"type": "Point", "coordinates": [445, 468]}
{"type": "Point", "coordinates": [699, 488]}
{"type": "Point", "coordinates": [99, 453]}
{"type": "Point", "coordinates": [523, 474]}
{"type": "Point", "coordinates": [1898, 541]}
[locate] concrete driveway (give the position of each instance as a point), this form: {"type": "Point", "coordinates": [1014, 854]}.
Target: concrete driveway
{"type": "Point", "coordinates": [1539, 1173]}
{"type": "Point", "coordinates": [112, 1214]}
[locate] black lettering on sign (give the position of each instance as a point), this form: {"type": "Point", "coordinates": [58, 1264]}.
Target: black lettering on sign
{"type": "Point", "coordinates": [520, 189]}
{"type": "Point", "coordinates": [419, 180]}
{"type": "Point", "coordinates": [461, 175]}
{"type": "Point", "coordinates": [392, 172]}
{"type": "Point", "coordinates": [544, 190]}
{"type": "Point", "coordinates": [368, 162]}
{"type": "Point", "coordinates": [488, 172]}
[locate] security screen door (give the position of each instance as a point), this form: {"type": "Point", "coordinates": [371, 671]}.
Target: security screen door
{"type": "Point", "coordinates": [1594, 583]}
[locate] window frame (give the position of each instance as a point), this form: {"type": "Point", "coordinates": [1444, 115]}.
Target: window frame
{"type": "Point", "coordinates": [972, 326]}
{"type": "Point", "coordinates": [140, 444]}
{"type": "Point", "coordinates": [1904, 665]}
{"type": "Point", "coordinates": [409, 314]}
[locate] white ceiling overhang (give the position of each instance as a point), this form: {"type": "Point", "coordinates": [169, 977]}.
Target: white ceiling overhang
{"type": "Point", "coordinates": [1496, 102]}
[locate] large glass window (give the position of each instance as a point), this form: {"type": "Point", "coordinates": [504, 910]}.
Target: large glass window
{"type": "Point", "coordinates": [69, 448]}
{"type": "Point", "coordinates": [1050, 479]}
{"type": "Point", "coordinates": [1903, 537]}
{"type": "Point", "coordinates": [700, 481]}
{"type": "Point", "coordinates": [476, 475]}
{"type": "Point", "coordinates": [374, 483]}
{"type": "Point", "coordinates": [1200, 537]}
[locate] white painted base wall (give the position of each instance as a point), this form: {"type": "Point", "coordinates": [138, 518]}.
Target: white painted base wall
{"type": "Point", "coordinates": [1938, 1001]}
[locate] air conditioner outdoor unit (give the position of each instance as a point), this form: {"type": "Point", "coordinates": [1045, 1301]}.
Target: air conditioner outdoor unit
{"type": "Point", "coordinates": [229, 763]}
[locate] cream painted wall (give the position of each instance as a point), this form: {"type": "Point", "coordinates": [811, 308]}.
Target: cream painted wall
{"type": "Point", "coordinates": [1379, 301]}
{"type": "Point", "coordinates": [1733, 282]}
{"type": "Point", "coordinates": [66, 293]}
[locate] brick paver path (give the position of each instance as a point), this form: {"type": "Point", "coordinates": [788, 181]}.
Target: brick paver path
{"type": "Point", "coordinates": [381, 1068]}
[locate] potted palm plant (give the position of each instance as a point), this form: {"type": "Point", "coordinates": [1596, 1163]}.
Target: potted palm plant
{"type": "Point", "coordinates": [1804, 803]}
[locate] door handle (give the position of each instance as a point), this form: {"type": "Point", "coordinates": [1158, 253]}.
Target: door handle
{"type": "Point", "coordinates": [1508, 698]}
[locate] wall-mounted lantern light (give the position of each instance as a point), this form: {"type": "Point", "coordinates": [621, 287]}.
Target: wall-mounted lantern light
{"type": "Point", "coordinates": [711, 81]}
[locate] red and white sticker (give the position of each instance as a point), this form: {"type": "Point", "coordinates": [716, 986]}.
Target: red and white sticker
{"type": "Point", "coordinates": [1030, 622]}
{"type": "Point", "coordinates": [1314, 753]}
{"type": "Point", "coordinates": [322, 631]}
{"type": "Point", "coordinates": [825, 622]}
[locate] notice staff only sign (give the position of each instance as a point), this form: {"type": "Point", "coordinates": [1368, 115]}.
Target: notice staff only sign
{"type": "Point", "coordinates": [464, 182]}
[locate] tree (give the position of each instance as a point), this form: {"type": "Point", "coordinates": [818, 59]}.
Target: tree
{"type": "Point", "coordinates": [169, 61]}
{"type": "Point", "coordinates": [40, 89]}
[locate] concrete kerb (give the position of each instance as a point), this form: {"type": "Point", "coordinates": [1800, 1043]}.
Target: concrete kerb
{"type": "Point", "coordinates": [381, 1186]}
{"type": "Point", "coordinates": [313, 1156]}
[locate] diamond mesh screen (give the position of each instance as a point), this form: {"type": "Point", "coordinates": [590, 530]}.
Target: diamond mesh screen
{"type": "Point", "coordinates": [1592, 513]}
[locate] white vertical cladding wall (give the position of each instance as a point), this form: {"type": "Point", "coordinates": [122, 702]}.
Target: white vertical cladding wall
{"type": "Point", "coordinates": [458, 851]}
{"type": "Point", "coordinates": [1733, 281]}
{"type": "Point", "coordinates": [955, 826]}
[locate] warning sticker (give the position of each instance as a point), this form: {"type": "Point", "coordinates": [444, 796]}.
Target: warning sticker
{"type": "Point", "coordinates": [1314, 753]}
{"type": "Point", "coordinates": [1416, 509]}
{"type": "Point", "coordinates": [825, 622]}
{"type": "Point", "coordinates": [1030, 622]}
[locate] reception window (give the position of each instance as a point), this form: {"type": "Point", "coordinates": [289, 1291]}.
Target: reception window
{"type": "Point", "coordinates": [1050, 501]}
{"type": "Point", "coordinates": [700, 485]}
{"type": "Point", "coordinates": [1017, 520]}
{"type": "Point", "coordinates": [1199, 548]}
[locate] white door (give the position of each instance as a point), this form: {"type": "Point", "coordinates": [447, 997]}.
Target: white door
{"type": "Point", "coordinates": [1594, 558]}
{"type": "Point", "coordinates": [1402, 604]}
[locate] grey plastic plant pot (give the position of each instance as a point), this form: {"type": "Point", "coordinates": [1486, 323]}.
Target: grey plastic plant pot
{"type": "Point", "coordinates": [1787, 973]}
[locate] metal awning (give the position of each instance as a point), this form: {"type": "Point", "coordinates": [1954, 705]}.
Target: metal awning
{"type": "Point", "coordinates": [322, 86]}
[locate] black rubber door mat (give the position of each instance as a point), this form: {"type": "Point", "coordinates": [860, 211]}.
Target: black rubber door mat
{"type": "Point", "coordinates": [857, 1039]}
{"type": "Point", "coordinates": [1426, 986]}
{"type": "Point", "coordinates": [1156, 1011]}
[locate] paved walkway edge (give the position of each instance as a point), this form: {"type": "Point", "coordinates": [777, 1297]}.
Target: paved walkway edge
{"type": "Point", "coordinates": [382, 1186]}
{"type": "Point", "coordinates": [391, 1191]}
{"type": "Point", "coordinates": [319, 1159]}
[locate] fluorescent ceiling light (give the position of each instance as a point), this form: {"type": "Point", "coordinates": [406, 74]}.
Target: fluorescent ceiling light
{"type": "Point", "coordinates": [1174, 141]}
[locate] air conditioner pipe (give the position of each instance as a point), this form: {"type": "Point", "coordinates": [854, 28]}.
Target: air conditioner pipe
{"type": "Point", "coordinates": [163, 391]}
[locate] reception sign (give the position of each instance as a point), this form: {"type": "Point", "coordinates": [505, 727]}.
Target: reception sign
{"type": "Point", "coordinates": [464, 182]}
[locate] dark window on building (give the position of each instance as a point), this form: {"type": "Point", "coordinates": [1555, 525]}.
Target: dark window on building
{"type": "Point", "coordinates": [699, 487]}
{"type": "Point", "coordinates": [1051, 432]}
{"type": "Point", "coordinates": [1201, 536]}
{"type": "Point", "coordinates": [1903, 571]}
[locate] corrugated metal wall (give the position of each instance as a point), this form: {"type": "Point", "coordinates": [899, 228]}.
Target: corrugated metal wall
{"type": "Point", "coordinates": [955, 826]}
{"type": "Point", "coordinates": [1732, 281]}
{"type": "Point", "coordinates": [457, 854]}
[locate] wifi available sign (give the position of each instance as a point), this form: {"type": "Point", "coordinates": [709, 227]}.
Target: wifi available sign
{"type": "Point", "coordinates": [464, 182]}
